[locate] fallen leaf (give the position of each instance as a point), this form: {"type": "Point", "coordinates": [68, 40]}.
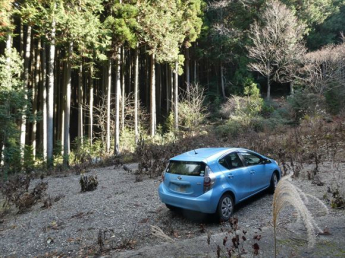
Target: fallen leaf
{"type": "Point", "coordinates": [78, 215]}
{"type": "Point", "coordinates": [325, 232]}
{"type": "Point", "coordinates": [144, 220]}
{"type": "Point", "coordinates": [175, 234]}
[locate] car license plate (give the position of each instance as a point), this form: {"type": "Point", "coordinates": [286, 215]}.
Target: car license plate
{"type": "Point", "coordinates": [181, 189]}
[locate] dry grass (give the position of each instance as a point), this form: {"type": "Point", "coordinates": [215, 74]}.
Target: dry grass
{"type": "Point", "coordinates": [158, 232]}
{"type": "Point", "coordinates": [287, 194]}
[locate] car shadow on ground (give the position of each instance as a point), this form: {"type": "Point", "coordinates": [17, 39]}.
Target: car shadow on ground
{"type": "Point", "coordinates": [252, 200]}
{"type": "Point", "coordinates": [198, 217]}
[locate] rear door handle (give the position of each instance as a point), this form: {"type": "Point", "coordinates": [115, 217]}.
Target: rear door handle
{"type": "Point", "coordinates": [230, 176]}
{"type": "Point", "coordinates": [252, 172]}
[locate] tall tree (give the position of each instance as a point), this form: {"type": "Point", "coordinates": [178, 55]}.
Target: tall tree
{"type": "Point", "coordinates": [277, 43]}
{"type": "Point", "coordinates": [26, 87]}
{"type": "Point", "coordinates": [50, 94]}
{"type": "Point", "coordinates": [311, 12]}
{"type": "Point", "coordinates": [6, 12]}
{"type": "Point", "coordinates": [13, 105]}
{"type": "Point", "coordinates": [330, 30]}
{"type": "Point", "coordinates": [44, 101]}
{"type": "Point", "coordinates": [136, 93]}
{"type": "Point", "coordinates": [122, 26]}
{"type": "Point", "coordinates": [191, 23]}
{"type": "Point", "coordinates": [80, 105]}
{"type": "Point", "coordinates": [162, 34]}
{"type": "Point", "coordinates": [108, 104]}
{"type": "Point", "coordinates": [79, 24]}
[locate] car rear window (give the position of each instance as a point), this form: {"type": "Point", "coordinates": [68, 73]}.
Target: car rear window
{"type": "Point", "coordinates": [189, 168]}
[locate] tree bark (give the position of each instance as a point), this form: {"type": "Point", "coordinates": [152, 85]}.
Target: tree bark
{"type": "Point", "coordinates": [159, 91]}
{"type": "Point", "coordinates": [35, 97]}
{"type": "Point", "coordinates": [91, 106]}
{"type": "Point", "coordinates": [176, 97]}
{"type": "Point", "coordinates": [26, 86]}
{"type": "Point", "coordinates": [108, 105]}
{"type": "Point", "coordinates": [60, 111]}
{"type": "Point", "coordinates": [268, 88]}
{"type": "Point", "coordinates": [8, 48]}
{"type": "Point", "coordinates": [195, 65]}
{"type": "Point", "coordinates": [50, 99]}
{"type": "Point", "coordinates": [67, 108]}
{"type": "Point", "coordinates": [136, 93]}
{"type": "Point", "coordinates": [268, 83]}
{"type": "Point", "coordinates": [44, 100]}
{"type": "Point", "coordinates": [153, 97]}
{"type": "Point", "coordinates": [291, 88]}
{"type": "Point", "coordinates": [147, 68]}
{"type": "Point", "coordinates": [187, 73]}
{"type": "Point", "coordinates": [172, 86]}
{"type": "Point", "coordinates": [168, 90]}
{"type": "Point", "coordinates": [222, 79]}
{"type": "Point", "coordinates": [21, 40]}
{"type": "Point", "coordinates": [3, 141]}
{"type": "Point", "coordinates": [80, 105]}
{"type": "Point", "coordinates": [117, 105]}
{"type": "Point", "coordinates": [122, 88]}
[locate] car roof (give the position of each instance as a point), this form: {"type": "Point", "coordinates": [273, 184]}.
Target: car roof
{"type": "Point", "coordinates": [204, 154]}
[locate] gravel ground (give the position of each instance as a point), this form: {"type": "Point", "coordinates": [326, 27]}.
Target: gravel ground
{"type": "Point", "coordinates": [124, 211]}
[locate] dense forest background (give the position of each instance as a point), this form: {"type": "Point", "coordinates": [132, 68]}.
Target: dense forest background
{"type": "Point", "coordinates": [83, 80]}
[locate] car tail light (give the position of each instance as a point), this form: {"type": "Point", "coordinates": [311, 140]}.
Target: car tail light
{"type": "Point", "coordinates": [208, 179]}
{"type": "Point", "coordinates": [163, 173]}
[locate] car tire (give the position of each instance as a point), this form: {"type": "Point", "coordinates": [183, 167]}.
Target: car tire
{"type": "Point", "coordinates": [273, 183]}
{"type": "Point", "coordinates": [225, 207]}
{"type": "Point", "coordinates": [170, 207]}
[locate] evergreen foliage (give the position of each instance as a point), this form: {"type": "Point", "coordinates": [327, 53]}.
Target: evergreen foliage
{"type": "Point", "coordinates": [74, 51]}
{"type": "Point", "coordinates": [12, 108]}
{"type": "Point", "coordinates": [277, 44]}
{"type": "Point", "coordinates": [122, 24]}
{"type": "Point", "coordinates": [6, 25]}
{"type": "Point", "coordinates": [328, 32]}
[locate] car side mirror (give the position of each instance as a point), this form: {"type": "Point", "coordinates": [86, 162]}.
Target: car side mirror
{"type": "Point", "coordinates": [266, 161]}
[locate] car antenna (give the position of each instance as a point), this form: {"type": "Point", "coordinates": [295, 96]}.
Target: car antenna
{"type": "Point", "coordinates": [195, 152]}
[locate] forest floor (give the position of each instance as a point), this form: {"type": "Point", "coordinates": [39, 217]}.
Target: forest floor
{"type": "Point", "coordinates": [115, 221]}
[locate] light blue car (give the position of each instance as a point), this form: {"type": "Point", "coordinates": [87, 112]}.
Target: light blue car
{"type": "Point", "coordinates": [213, 180]}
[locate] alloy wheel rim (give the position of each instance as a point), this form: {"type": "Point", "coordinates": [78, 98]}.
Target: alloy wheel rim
{"type": "Point", "coordinates": [275, 180]}
{"type": "Point", "coordinates": [226, 207]}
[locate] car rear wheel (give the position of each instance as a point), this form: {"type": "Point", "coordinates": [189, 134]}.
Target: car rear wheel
{"type": "Point", "coordinates": [274, 182]}
{"type": "Point", "coordinates": [170, 207]}
{"type": "Point", "coordinates": [225, 207]}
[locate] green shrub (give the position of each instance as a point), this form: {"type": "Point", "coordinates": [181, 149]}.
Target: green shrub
{"type": "Point", "coordinates": [230, 128]}
{"type": "Point", "coordinates": [192, 109]}
{"type": "Point", "coordinates": [304, 102]}
{"type": "Point", "coordinates": [246, 107]}
{"type": "Point", "coordinates": [127, 140]}
{"type": "Point", "coordinates": [29, 161]}
{"type": "Point", "coordinates": [334, 101]}
{"type": "Point", "coordinates": [258, 124]}
{"type": "Point", "coordinates": [169, 123]}
{"type": "Point", "coordinates": [12, 159]}
{"type": "Point", "coordinates": [242, 112]}
{"type": "Point", "coordinates": [251, 88]}
{"type": "Point", "coordinates": [268, 108]}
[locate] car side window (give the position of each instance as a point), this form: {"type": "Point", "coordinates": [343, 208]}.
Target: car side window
{"type": "Point", "coordinates": [231, 161]}
{"type": "Point", "coordinates": [251, 158]}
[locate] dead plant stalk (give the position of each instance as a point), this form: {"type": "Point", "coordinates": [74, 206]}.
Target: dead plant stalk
{"type": "Point", "coordinates": [287, 194]}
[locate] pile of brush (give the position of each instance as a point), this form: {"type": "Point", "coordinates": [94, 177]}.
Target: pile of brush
{"type": "Point", "coordinates": [16, 191]}
{"type": "Point", "coordinates": [88, 183]}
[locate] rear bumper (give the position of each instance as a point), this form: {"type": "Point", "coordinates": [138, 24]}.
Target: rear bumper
{"type": "Point", "coordinates": [206, 203]}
